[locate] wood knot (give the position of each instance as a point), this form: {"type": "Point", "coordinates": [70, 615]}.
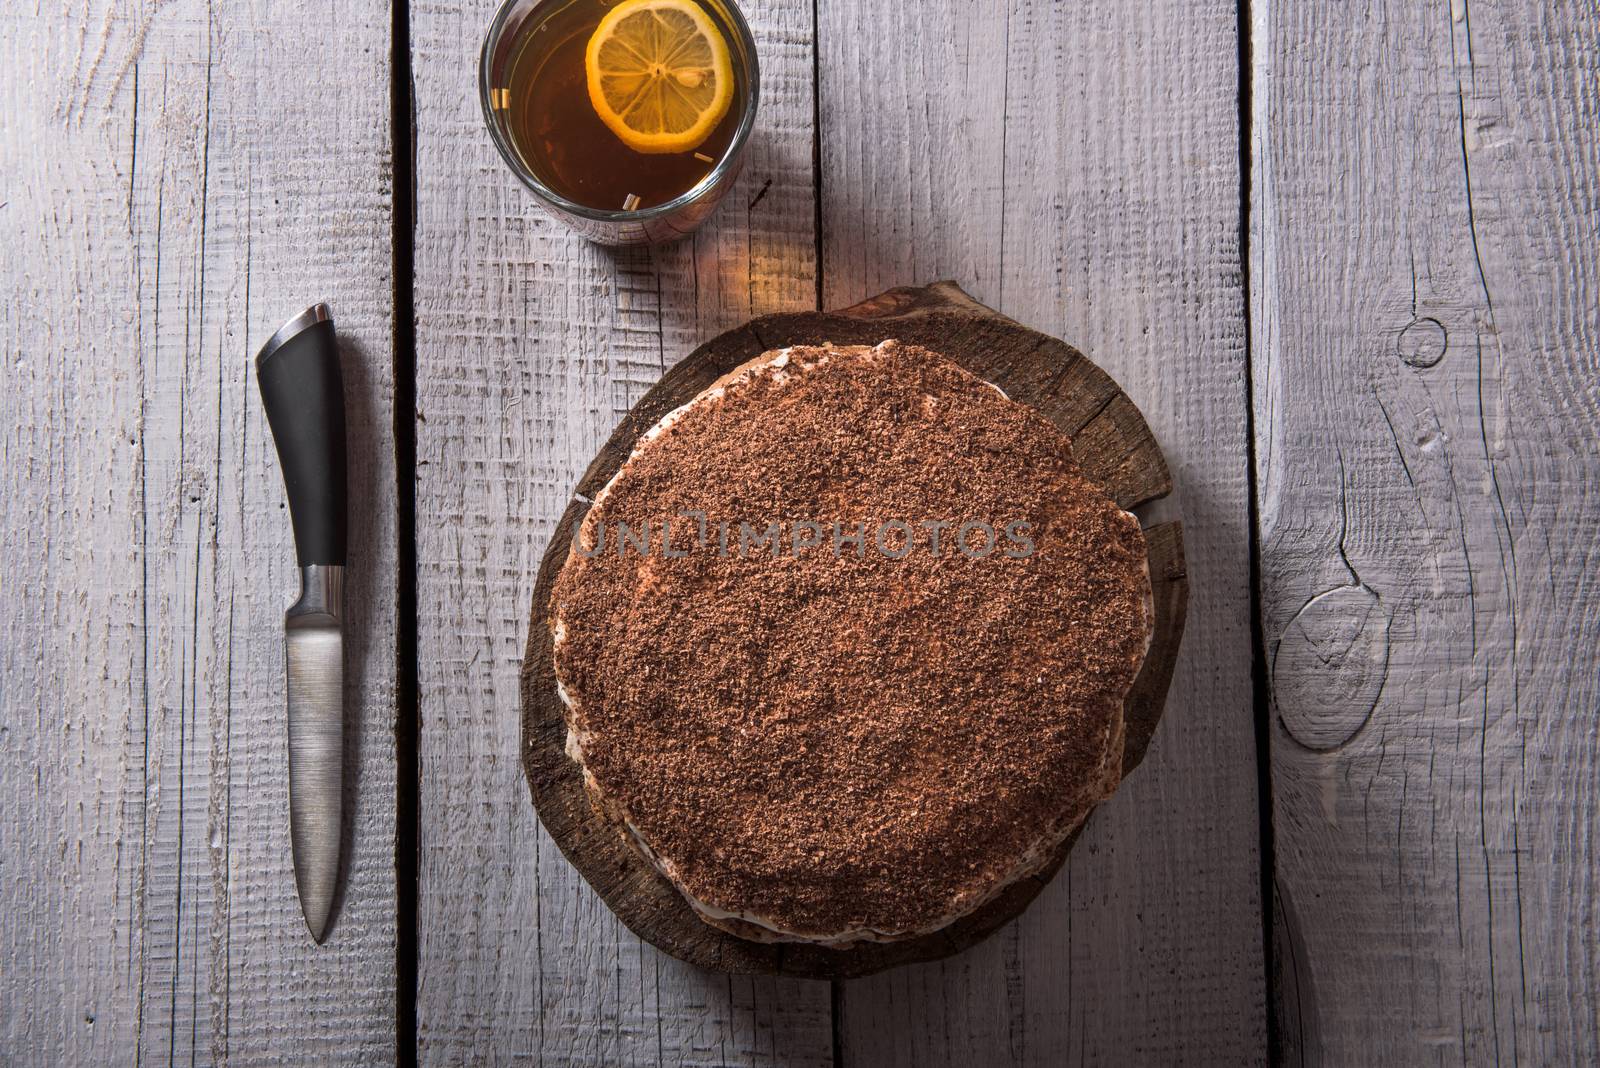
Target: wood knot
{"type": "Point", "coordinates": [1422, 342]}
{"type": "Point", "coordinates": [1330, 665]}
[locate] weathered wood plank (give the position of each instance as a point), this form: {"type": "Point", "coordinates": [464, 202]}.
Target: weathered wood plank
{"type": "Point", "coordinates": [1075, 167]}
{"type": "Point", "coordinates": [1427, 211]}
{"type": "Point", "coordinates": [175, 180]}
{"type": "Point", "coordinates": [532, 345]}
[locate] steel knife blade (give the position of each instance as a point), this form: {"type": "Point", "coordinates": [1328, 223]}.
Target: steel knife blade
{"type": "Point", "coordinates": [314, 634]}
{"type": "Point", "coordinates": [303, 395]}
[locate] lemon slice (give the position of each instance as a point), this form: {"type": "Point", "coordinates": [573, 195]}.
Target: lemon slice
{"type": "Point", "coordinates": [659, 74]}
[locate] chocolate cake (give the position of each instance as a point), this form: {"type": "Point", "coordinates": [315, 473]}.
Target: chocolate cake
{"type": "Point", "coordinates": [844, 644]}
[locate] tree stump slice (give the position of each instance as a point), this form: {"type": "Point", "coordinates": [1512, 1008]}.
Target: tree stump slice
{"type": "Point", "coordinates": [1112, 444]}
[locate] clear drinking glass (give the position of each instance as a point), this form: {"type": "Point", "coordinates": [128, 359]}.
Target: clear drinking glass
{"type": "Point", "coordinates": [512, 30]}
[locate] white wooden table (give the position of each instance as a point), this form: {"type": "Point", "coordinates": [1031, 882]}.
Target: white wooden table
{"type": "Point", "coordinates": [1346, 257]}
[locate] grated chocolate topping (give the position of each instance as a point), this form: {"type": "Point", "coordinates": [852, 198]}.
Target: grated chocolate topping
{"type": "Point", "coordinates": [852, 741]}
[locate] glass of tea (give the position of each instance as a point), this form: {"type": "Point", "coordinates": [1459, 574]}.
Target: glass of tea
{"type": "Point", "coordinates": [627, 118]}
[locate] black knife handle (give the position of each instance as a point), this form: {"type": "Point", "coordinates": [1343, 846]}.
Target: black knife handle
{"type": "Point", "coordinates": [301, 389]}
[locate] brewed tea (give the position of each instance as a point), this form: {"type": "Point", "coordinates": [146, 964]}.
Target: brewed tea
{"type": "Point", "coordinates": [555, 127]}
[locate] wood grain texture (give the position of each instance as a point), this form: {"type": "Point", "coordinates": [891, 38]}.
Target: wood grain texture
{"type": "Point", "coordinates": [174, 181]}
{"type": "Point", "coordinates": [1075, 166]}
{"type": "Point", "coordinates": [531, 345]}
{"type": "Point", "coordinates": [1111, 443]}
{"type": "Point", "coordinates": [1427, 316]}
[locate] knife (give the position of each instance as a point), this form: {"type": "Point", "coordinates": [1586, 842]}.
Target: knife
{"type": "Point", "coordinates": [301, 390]}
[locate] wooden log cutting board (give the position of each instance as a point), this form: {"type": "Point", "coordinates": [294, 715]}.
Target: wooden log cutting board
{"type": "Point", "coordinates": [1111, 443]}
